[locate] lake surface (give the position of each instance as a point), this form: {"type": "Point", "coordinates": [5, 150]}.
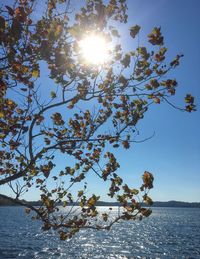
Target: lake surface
{"type": "Point", "coordinates": [167, 233]}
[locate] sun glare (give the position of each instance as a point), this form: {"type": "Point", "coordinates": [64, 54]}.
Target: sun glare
{"type": "Point", "coordinates": [94, 49]}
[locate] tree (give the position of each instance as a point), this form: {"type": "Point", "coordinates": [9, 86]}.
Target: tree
{"type": "Point", "coordinates": [87, 110]}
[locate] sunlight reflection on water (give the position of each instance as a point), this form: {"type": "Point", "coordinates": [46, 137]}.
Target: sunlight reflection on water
{"type": "Point", "coordinates": [168, 233]}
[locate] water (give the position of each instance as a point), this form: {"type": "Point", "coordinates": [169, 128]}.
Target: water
{"type": "Point", "coordinates": [167, 233]}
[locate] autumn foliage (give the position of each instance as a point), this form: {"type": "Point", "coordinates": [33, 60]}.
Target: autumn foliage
{"type": "Point", "coordinates": [53, 106]}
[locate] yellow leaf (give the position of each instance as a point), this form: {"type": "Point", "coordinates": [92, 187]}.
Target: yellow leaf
{"type": "Point", "coordinates": [2, 136]}
{"type": "Point", "coordinates": [91, 202]}
{"type": "Point", "coordinates": [35, 73]}
{"type": "Point", "coordinates": [10, 102]}
{"type": "Point", "coordinates": [1, 115]}
{"type": "Point", "coordinates": [58, 30]}
{"type": "Point", "coordinates": [27, 210]}
{"type": "Point", "coordinates": [24, 69]}
{"type": "Point", "coordinates": [33, 172]}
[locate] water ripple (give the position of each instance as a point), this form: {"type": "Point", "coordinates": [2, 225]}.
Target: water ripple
{"type": "Point", "coordinates": [169, 233]}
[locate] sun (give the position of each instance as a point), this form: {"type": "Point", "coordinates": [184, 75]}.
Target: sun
{"type": "Point", "coordinates": [94, 49]}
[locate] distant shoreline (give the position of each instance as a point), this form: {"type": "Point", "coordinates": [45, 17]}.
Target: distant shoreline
{"type": "Point", "coordinates": [176, 204]}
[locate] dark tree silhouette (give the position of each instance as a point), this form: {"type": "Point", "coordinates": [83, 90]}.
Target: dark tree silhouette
{"type": "Point", "coordinates": [79, 113]}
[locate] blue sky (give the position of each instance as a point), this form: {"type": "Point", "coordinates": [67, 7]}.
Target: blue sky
{"type": "Point", "coordinates": [173, 154]}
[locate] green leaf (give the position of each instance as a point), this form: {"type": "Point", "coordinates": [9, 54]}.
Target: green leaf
{"type": "Point", "coordinates": [65, 203]}
{"type": "Point", "coordinates": [134, 191]}
{"type": "Point", "coordinates": [53, 94]}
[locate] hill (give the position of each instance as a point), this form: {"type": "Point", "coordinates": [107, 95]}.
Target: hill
{"type": "Point", "coordinates": [177, 204]}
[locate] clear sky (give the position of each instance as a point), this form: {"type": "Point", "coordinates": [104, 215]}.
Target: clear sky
{"type": "Point", "coordinates": [173, 154]}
